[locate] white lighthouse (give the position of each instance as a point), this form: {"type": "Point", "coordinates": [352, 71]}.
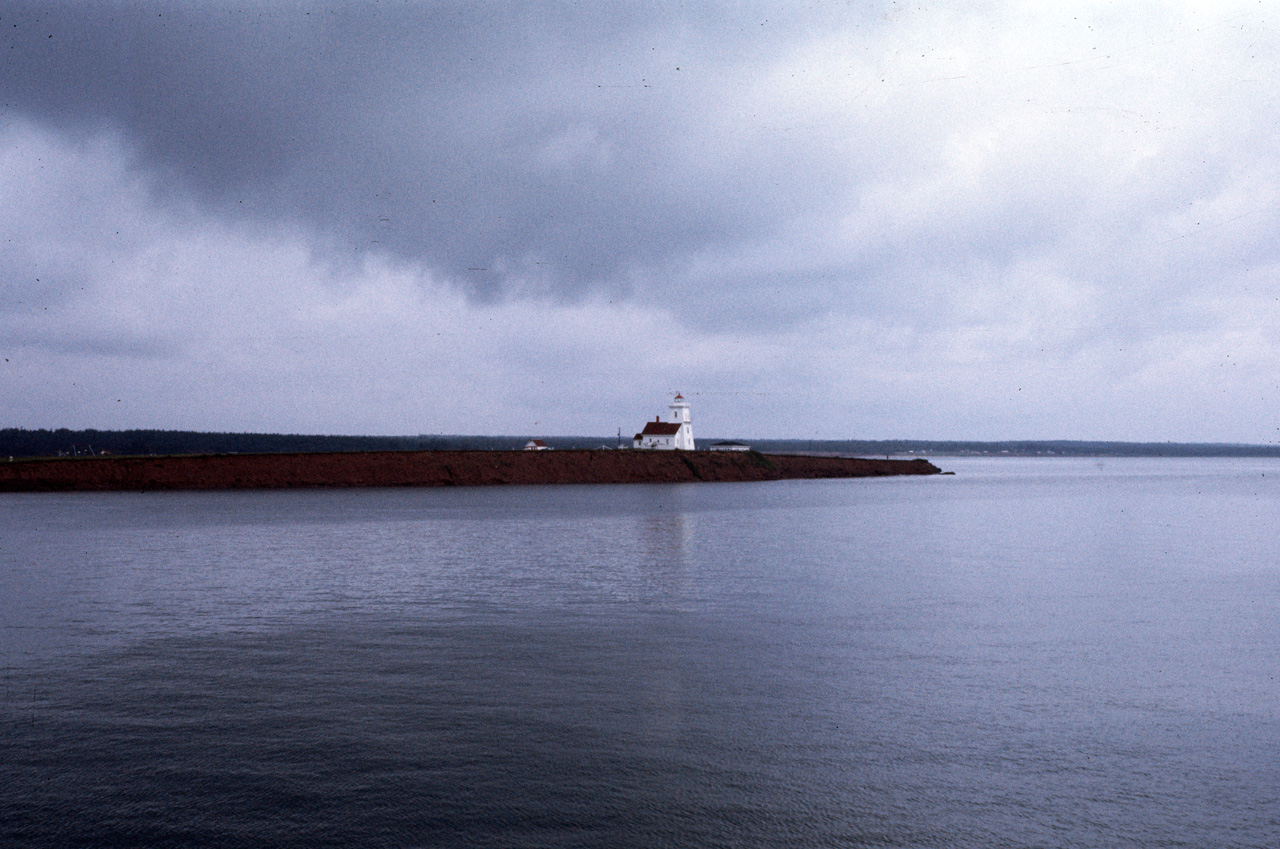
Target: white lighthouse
{"type": "Point", "coordinates": [674, 434]}
{"type": "Point", "coordinates": [680, 415]}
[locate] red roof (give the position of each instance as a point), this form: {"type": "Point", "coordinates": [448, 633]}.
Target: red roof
{"type": "Point", "coordinates": [660, 429]}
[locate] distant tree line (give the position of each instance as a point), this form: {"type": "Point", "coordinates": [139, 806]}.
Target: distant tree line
{"type": "Point", "coordinates": [1019, 448]}
{"type": "Point", "coordinates": [17, 442]}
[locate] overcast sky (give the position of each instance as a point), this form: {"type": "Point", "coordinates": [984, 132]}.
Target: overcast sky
{"type": "Point", "coordinates": [816, 220]}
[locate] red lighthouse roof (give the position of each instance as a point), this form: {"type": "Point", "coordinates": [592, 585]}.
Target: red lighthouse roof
{"type": "Point", "coordinates": [660, 429]}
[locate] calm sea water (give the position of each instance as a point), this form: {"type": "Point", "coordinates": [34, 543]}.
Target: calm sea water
{"type": "Point", "coordinates": [1030, 653]}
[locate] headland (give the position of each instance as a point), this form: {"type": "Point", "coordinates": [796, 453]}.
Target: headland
{"type": "Point", "coordinates": [430, 468]}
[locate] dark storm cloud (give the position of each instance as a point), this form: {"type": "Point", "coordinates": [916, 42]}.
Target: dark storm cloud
{"type": "Point", "coordinates": [548, 151]}
{"type": "Point", "coordinates": [987, 221]}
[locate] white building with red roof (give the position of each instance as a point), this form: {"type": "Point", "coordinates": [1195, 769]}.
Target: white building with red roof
{"type": "Point", "coordinates": [676, 433]}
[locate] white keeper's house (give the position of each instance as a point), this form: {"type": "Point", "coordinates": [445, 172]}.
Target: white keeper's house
{"type": "Point", "coordinates": [669, 435]}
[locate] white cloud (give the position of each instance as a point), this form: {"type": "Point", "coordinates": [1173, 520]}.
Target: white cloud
{"type": "Point", "coordinates": [982, 225]}
{"type": "Point", "coordinates": [192, 322]}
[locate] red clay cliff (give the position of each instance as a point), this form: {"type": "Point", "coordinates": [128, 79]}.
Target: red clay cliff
{"type": "Point", "coordinates": [430, 468]}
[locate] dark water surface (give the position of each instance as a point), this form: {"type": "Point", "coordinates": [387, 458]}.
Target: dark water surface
{"type": "Point", "coordinates": [1031, 653]}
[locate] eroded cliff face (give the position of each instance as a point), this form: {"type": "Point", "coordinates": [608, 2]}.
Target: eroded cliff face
{"type": "Point", "coordinates": [431, 468]}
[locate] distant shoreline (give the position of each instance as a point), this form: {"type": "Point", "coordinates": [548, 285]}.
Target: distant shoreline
{"type": "Point", "coordinates": [430, 468]}
{"type": "Point", "coordinates": [21, 443]}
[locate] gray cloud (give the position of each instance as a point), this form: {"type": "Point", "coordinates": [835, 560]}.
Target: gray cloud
{"type": "Point", "coordinates": [551, 150]}
{"type": "Point", "coordinates": [910, 199]}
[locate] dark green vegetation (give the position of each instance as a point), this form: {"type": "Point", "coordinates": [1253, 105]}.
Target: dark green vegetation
{"type": "Point", "coordinates": [16, 442]}
{"type": "Point", "coordinates": [1017, 448]}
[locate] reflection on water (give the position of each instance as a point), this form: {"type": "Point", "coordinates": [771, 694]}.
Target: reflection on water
{"type": "Point", "coordinates": [1028, 653]}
